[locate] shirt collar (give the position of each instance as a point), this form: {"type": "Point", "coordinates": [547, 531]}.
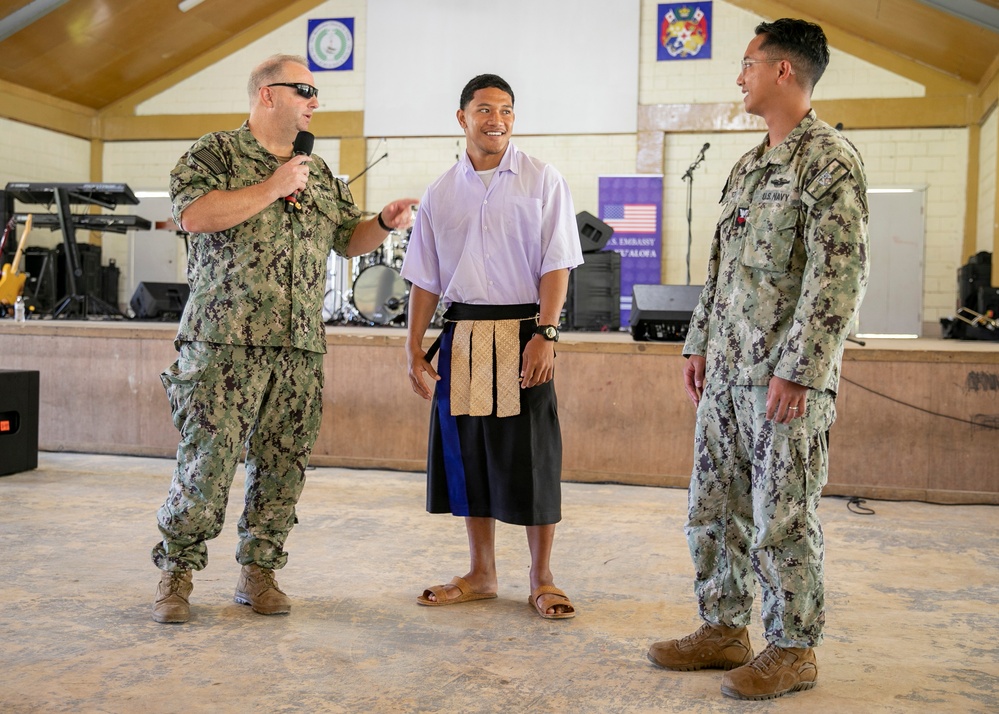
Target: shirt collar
{"type": "Point", "coordinates": [510, 161]}
{"type": "Point", "coordinates": [785, 151]}
{"type": "Point", "coordinates": [249, 146]}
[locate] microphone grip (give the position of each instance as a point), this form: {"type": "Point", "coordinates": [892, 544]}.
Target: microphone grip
{"type": "Point", "coordinates": [291, 203]}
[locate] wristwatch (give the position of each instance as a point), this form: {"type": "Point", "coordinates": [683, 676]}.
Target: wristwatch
{"type": "Point", "coordinates": [549, 332]}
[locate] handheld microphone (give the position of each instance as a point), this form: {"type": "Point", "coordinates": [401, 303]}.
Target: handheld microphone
{"type": "Point", "coordinates": [705, 147]}
{"type": "Point", "coordinates": [302, 147]}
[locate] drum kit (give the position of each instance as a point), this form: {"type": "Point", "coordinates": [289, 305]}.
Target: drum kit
{"type": "Point", "coordinates": [377, 294]}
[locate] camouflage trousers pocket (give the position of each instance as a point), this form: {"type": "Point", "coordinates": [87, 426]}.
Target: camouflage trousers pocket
{"type": "Point", "coordinates": [182, 379]}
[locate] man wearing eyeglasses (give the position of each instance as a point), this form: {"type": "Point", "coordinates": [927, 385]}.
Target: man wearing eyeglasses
{"type": "Point", "coordinates": [786, 275]}
{"type": "Point", "coordinates": [263, 219]}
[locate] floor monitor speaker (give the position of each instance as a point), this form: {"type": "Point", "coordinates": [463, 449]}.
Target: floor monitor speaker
{"type": "Point", "coordinates": [18, 421]}
{"type": "Point", "coordinates": [662, 312]}
{"type": "Point", "coordinates": [159, 301]}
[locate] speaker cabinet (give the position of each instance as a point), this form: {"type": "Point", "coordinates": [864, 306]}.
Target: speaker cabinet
{"type": "Point", "coordinates": [593, 301]}
{"type": "Point", "coordinates": [662, 312]}
{"type": "Point", "coordinates": [159, 301]}
{"type": "Point", "coordinates": [41, 267]}
{"type": "Point", "coordinates": [18, 421]}
{"type": "Point", "coordinates": [971, 277]}
{"type": "Point", "coordinates": [593, 233]}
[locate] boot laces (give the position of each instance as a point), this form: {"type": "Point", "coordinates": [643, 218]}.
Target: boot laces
{"type": "Point", "coordinates": [767, 659]}
{"type": "Point", "coordinates": [701, 633]}
{"type": "Point", "coordinates": [177, 578]}
{"type": "Point", "coordinates": [267, 575]}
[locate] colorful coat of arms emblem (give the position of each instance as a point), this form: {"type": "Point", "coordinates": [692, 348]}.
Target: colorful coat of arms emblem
{"type": "Point", "coordinates": [684, 31]}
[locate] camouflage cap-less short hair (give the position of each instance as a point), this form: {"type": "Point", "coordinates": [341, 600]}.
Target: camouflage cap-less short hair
{"type": "Point", "coordinates": [802, 43]}
{"type": "Point", "coordinates": [483, 81]}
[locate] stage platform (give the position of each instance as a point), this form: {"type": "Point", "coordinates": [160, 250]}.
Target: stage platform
{"type": "Point", "coordinates": [918, 419]}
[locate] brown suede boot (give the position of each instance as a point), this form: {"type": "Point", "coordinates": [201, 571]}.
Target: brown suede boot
{"type": "Point", "coordinates": [171, 596]}
{"type": "Point", "coordinates": [775, 672]}
{"type": "Point", "coordinates": [711, 647]}
{"type": "Point", "coordinates": [258, 589]}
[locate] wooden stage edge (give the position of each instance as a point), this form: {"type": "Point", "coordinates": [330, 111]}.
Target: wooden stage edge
{"type": "Point", "coordinates": [917, 419]}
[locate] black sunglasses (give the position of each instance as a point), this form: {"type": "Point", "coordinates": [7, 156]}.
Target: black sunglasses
{"type": "Point", "coordinates": [304, 90]}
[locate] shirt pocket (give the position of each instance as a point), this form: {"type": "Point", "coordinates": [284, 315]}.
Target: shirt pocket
{"type": "Point", "coordinates": [770, 233]}
{"type": "Point", "coordinates": [522, 219]}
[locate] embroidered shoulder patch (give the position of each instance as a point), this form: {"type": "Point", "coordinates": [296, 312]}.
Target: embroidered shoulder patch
{"type": "Point", "coordinates": [828, 177]}
{"type": "Point", "coordinates": [207, 158]}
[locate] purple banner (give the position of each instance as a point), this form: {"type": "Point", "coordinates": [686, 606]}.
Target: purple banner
{"type": "Point", "coordinates": [633, 207]}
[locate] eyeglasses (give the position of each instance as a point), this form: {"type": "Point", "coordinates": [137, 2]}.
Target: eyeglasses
{"type": "Point", "coordinates": [304, 90]}
{"type": "Point", "coordinates": [747, 63]}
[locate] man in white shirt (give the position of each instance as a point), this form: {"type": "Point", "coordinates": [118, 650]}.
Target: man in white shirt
{"type": "Point", "coordinates": [495, 237]}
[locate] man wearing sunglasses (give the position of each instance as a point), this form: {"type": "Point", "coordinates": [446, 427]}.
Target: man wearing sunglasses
{"type": "Point", "coordinates": [251, 340]}
{"type": "Point", "coordinates": [786, 275]}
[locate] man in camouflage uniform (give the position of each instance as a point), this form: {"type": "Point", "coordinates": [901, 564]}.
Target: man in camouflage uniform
{"type": "Point", "coordinates": [251, 340]}
{"type": "Point", "coordinates": [788, 269]}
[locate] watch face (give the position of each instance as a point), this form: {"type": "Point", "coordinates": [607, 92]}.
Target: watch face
{"type": "Point", "coordinates": [550, 333]}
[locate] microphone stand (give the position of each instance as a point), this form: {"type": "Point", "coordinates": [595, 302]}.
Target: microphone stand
{"type": "Point", "coordinates": [689, 178]}
{"type": "Point", "coordinates": [367, 167]}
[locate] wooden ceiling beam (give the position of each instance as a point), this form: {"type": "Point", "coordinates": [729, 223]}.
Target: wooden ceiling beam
{"type": "Point", "coordinates": [934, 80]}
{"type": "Point", "coordinates": [37, 109]}
{"type": "Point", "coordinates": [286, 14]}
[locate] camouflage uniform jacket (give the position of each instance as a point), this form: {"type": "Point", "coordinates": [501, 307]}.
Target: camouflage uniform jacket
{"type": "Point", "coordinates": [788, 265]}
{"type": "Point", "coordinates": [261, 282]}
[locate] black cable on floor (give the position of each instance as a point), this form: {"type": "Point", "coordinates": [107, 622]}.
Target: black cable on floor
{"type": "Point", "coordinates": [856, 505]}
{"type": "Point", "coordinates": [921, 409]}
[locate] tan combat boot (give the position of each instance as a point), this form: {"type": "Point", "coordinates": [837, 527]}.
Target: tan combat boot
{"type": "Point", "coordinates": [171, 596]}
{"type": "Point", "coordinates": [775, 672]}
{"type": "Point", "coordinates": [258, 589]}
{"type": "Point", "coordinates": [711, 647]}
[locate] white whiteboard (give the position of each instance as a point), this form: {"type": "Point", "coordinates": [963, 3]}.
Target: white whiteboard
{"type": "Point", "coordinates": [573, 64]}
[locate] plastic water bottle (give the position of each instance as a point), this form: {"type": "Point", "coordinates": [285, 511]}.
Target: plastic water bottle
{"type": "Point", "coordinates": [19, 315]}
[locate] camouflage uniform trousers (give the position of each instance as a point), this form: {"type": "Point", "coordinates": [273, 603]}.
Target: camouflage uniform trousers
{"type": "Point", "coordinates": [266, 401]}
{"type": "Point", "coordinates": [752, 506]}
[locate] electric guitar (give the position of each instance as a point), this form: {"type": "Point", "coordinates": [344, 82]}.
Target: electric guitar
{"type": "Point", "coordinates": [11, 280]}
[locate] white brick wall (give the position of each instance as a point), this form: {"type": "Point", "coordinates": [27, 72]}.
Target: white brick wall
{"type": "Point", "coordinates": [221, 88]}
{"type": "Point", "coordinates": [54, 156]}
{"type": "Point", "coordinates": [934, 158]}
{"type": "Point", "coordinates": [707, 81]}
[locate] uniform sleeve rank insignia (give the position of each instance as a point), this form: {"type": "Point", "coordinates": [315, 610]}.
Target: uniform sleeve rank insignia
{"type": "Point", "coordinates": [834, 171]}
{"type": "Point", "coordinates": [740, 220]}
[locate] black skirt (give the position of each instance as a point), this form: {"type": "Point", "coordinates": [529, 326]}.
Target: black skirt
{"type": "Point", "coordinates": [507, 468]}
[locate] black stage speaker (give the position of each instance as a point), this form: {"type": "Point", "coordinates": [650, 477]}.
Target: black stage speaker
{"type": "Point", "coordinates": [159, 301]}
{"type": "Point", "coordinates": [593, 301]}
{"type": "Point", "coordinates": [593, 233]}
{"type": "Point", "coordinates": [662, 312]}
{"type": "Point", "coordinates": [18, 421]}
{"type": "Point", "coordinates": [975, 274]}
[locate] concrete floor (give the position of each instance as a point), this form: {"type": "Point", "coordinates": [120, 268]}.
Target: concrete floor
{"type": "Point", "coordinates": [913, 606]}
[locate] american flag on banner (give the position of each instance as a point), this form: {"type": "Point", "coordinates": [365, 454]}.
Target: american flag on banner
{"type": "Point", "coordinates": [631, 217]}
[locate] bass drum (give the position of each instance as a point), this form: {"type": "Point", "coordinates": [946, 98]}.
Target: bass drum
{"type": "Point", "coordinates": [380, 294]}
